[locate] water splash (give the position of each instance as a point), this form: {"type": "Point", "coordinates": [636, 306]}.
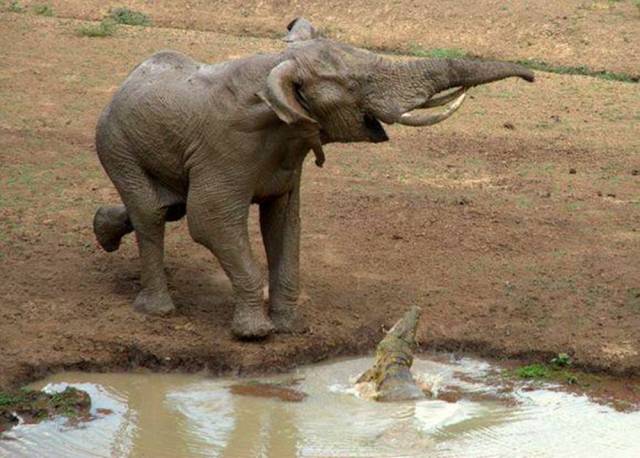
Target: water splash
{"type": "Point", "coordinates": [192, 416]}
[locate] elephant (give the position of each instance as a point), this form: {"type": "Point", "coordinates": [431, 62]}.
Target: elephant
{"type": "Point", "coordinates": [181, 137]}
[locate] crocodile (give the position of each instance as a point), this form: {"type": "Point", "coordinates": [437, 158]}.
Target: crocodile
{"type": "Point", "coordinates": [391, 375]}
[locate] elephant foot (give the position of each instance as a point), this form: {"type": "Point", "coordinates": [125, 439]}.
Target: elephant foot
{"type": "Point", "coordinates": [110, 224]}
{"type": "Point", "coordinates": [288, 321]}
{"type": "Point", "coordinates": [251, 323]}
{"type": "Point", "coordinates": [153, 303]}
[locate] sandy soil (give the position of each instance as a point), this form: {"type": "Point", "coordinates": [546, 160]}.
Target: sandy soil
{"type": "Point", "coordinates": [601, 34]}
{"type": "Point", "coordinates": [518, 241]}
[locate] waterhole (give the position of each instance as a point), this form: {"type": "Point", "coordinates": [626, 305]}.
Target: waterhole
{"type": "Point", "coordinates": [316, 412]}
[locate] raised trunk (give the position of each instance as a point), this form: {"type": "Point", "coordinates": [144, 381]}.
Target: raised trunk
{"type": "Point", "coordinates": [399, 87]}
{"type": "Point", "coordinates": [447, 73]}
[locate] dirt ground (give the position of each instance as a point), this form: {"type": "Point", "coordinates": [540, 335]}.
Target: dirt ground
{"type": "Point", "coordinates": [601, 34]}
{"type": "Point", "coordinates": [515, 224]}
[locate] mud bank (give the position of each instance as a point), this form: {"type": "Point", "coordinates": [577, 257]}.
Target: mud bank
{"type": "Point", "coordinates": [515, 226]}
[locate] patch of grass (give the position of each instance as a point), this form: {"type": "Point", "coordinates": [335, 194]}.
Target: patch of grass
{"type": "Point", "coordinates": [533, 371]}
{"type": "Point", "coordinates": [439, 53]}
{"type": "Point", "coordinates": [595, 294]}
{"type": "Point", "coordinates": [43, 10]}
{"type": "Point", "coordinates": [633, 298]}
{"type": "Point", "coordinates": [106, 28]}
{"type": "Point", "coordinates": [524, 202]}
{"type": "Point", "coordinates": [7, 399]}
{"type": "Point", "coordinates": [38, 405]}
{"type": "Point", "coordinates": [15, 7]}
{"type": "Point", "coordinates": [562, 360]}
{"type": "Point", "coordinates": [534, 64]}
{"type": "Point", "coordinates": [504, 95]}
{"type": "Point", "coordinates": [127, 16]}
{"type": "Point", "coordinates": [574, 206]}
{"type": "Point", "coordinates": [558, 370]}
{"type": "Point", "coordinates": [580, 70]}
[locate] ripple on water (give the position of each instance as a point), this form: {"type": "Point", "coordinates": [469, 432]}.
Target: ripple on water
{"type": "Point", "coordinates": [169, 415]}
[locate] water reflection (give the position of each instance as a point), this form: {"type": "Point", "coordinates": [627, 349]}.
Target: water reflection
{"type": "Point", "coordinates": [169, 415]}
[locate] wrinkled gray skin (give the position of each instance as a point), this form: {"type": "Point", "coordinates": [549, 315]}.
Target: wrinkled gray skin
{"type": "Point", "coordinates": [183, 137]}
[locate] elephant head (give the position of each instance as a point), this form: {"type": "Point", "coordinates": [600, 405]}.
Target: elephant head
{"type": "Point", "coordinates": [344, 93]}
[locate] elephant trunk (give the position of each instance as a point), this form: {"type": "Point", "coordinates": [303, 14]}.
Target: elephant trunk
{"type": "Point", "coordinates": [448, 73]}
{"type": "Point", "coordinates": [396, 88]}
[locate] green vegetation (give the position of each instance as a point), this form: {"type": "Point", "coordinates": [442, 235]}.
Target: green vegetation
{"type": "Point", "coordinates": [109, 24]}
{"type": "Point", "coordinates": [557, 370]}
{"type": "Point", "coordinates": [439, 53]}
{"type": "Point", "coordinates": [35, 406]}
{"type": "Point", "coordinates": [633, 298]}
{"type": "Point", "coordinates": [562, 360]}
{"type": "Point", "coordinates": [129, 17]}
{"type": "Point", "coordinates": [533, 371]}
{"type": "Point", "coordinates": [43, 10]}
{"type": "Point", "coordinates": [580, 70]}
{"type": "Point", "coordinates": [534, 64]}
{"type": "Point", "coordinates": [574, 206]}
{"type": "Point", "coordinates": [106, 28]}
{"type": "Point", "coordinates": [7, 399]}
{"type": "Point", "coordinates": [15, 7]}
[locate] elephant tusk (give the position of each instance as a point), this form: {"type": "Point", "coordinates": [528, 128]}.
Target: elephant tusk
{"type": "Point", "coordinates": [409, 119]}
{"type": "Point", "coordinates": [443, 99]}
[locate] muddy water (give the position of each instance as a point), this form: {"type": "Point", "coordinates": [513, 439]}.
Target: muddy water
{"type": "Point", "coordinates": [159, 415]}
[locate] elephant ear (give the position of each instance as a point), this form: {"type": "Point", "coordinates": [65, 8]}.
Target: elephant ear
{"type": "Point", "coordinates": [280, 94]}
{"type": "Point", "coordinates": [300, 30]}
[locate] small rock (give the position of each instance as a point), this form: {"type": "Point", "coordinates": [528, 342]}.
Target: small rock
{"type": "Point", "coordinates": [508, 125]}
{"type": "Point", "coordinates": [610, 194]}
{"type": "Point", "coordinates": [396, 237]}
{"type": "Point", "coordinates": [573, 171]}
{"type": "Point", "coordinates": [635, 172]}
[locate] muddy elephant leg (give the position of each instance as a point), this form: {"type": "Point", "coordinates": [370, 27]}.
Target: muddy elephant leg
{"type": "Point", "coordinates": [146, 204]}
{"type": "Point", "coordinates": [149, 225]}
{"type": "Point", "coordinates": [280, 226]}
{"type": "Point", "coordinates": [220, 224]}
{"type": "Point", "coordinates": [110, 224]}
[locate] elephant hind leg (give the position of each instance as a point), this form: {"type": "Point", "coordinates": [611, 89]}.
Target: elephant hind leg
{"type": "Point", "coordinates": [110, 224]}
{"type": "Point", "coordinates": [148, 216]}
{"type": "Point", "coordinates": [147, 206]}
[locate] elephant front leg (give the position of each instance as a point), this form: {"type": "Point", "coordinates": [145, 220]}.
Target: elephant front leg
{"type": "Point", "coordinates": [224, 231]}
{"type": "Point", "coordinates": [280, 225]}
